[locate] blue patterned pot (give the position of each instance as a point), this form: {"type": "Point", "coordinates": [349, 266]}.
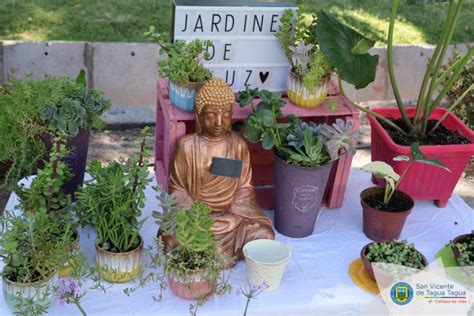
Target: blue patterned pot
{"type": "Point", "coordinates": [183, 95]}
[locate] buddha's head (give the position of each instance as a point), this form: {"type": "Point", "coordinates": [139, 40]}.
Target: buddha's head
{"type": "Point", "coordinates": [213, 108]}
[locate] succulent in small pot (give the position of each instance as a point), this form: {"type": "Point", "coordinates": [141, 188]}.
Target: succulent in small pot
{"type": "Point", "coordinates": [385, 209]}
{"type": "Point", "coordinates": [314, 52]}
{"type": "Point", "coordinates": [304, 153]}
{"type": "Point", "coordinates": [183, 67]}
{"type": "Point", "coordinates": [193, 267]}
{"type": "Point", "coordinates": [463, 250]}
{"type": "Point", "coordinates": [110, 202]}
{"type": "Point", "coordinates": [397, 254]}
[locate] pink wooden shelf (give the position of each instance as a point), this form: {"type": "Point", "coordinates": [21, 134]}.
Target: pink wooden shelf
{"type": "Point", "coordinates": [172, 124]}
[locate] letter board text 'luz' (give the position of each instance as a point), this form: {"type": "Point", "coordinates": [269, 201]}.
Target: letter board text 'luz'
{"type": "Point", "coordinates": [245, 51]}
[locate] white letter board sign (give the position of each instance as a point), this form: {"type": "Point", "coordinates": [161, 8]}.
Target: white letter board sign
{"type": "Point", "coordinates": [245, 51]}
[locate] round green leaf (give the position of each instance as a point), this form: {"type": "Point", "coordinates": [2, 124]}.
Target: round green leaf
{"type": "Point", "coordinates": [347, 50]}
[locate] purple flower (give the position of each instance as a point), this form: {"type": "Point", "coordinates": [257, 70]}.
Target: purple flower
{"type": "Point", "coordinates": [68, 291]}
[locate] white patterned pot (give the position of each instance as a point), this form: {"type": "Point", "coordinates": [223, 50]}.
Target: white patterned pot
{"type": "Point", "coordinates": [183, 95]}
{"type": "Point", "coordinates": [301, 96]}
{"type": "Point", "coordinates": [266, 261]}
{"type": "Point", "coordinates": [119, 267]}
{"type": "Point", "coordinates": [40, 291]}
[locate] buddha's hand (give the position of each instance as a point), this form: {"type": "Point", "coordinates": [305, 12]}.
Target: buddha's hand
{"type": "Point", "coordinates": [170, 242]}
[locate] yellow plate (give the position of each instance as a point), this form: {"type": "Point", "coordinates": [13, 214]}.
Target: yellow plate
{"type": "Point", "coordinates": [361, 278]}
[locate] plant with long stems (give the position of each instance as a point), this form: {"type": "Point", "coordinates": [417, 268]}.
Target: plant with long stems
{"type": "Point", "coordinates": [251, 293]}
{"type": "Point", "coordinates": [393, 180]}
{"type": "Point", "coordinates": [111, 201]}
{"type": "Point", "coordinates": [434, 79]}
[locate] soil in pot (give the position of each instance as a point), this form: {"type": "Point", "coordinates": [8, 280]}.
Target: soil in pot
{"type": "Point", "coordinates": [398, 203]}
{"type": "Point", "coordinates": [441, 136]}
{"type": "Point", "coordinates": [384, 223]}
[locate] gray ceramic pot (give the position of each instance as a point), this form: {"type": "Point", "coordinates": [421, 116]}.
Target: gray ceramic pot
{"type": "Point", "coordinates": [299, 192]}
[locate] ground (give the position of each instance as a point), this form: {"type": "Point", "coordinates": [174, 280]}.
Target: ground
{"type": "Point", "coordinates": [127, 20]}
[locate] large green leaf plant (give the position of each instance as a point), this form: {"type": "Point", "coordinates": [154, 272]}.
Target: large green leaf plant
{"type": "Point", "coordinates": [436, 82]}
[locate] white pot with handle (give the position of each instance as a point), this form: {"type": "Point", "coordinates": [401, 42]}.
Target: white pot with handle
{"type": "Point", "coordinates": [266, 261]}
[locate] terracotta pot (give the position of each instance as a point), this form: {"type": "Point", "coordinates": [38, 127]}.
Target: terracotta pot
{"type": "Point", "coordinates": [193, 286]}
{"type": "Point", "coordinates": [383, 225]}
{"type": "Point", "coordinates": [183, 95]}
{"type": "Point", "coordinates": [301, 96]}
{"type": "Point", "coordinates": [299, 192]}
{"type": "Point", "coordinates": [461, 239]}
{"type": "Point", "coordinates": [40, 291]}
{"type": "Point", "coordinates": [119, 267]}
{"type": "Point", "coordinates": [418, 182]}
{"type": "Point", "coordinates": [368, 265]}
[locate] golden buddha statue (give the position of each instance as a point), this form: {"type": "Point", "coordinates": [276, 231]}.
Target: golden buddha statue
{"type": "Point", "coordinates": [238, 218]}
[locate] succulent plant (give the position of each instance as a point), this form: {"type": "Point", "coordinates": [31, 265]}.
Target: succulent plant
{"type": "Point", "coordinates": [339, 135]}
{"type": "Point", "coordinates": [400, 253]}
{"type": "Point", "coordinates": [466, 251]}
{"type": "Point", "coordinates": [296, 136]}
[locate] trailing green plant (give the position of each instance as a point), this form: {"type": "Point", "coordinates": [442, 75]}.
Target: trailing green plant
{"type": "Point", "coordinates": [435, 84]}
{"type": "Point", "coordinates": [197, 246]}
{"type": "Point", "coordinates": [466, 251]}
{"type": "Point", "coordinates": [316, 44]}
{"type": "Point", "coordinates": [465, 109]}
{"type": "Point", "coordinates": [111, 201]}
{"type": "Point", "coordinates": [44, 192]}
{"type": "Point", "coordinates": [296, 142]}
{"type": "Point", "coordinates": [184, 62]}
{"type": "Point", "coordinates": [392, 179]}
{"type": "Point", "coordinates": [399, 253]}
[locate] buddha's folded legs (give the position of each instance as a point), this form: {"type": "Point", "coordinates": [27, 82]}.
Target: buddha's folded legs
{"type": "Point", "coordinates": [234, 234]}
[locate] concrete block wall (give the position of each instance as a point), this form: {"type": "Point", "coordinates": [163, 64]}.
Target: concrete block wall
{"type": "Point", "coordinates": [127, 72]}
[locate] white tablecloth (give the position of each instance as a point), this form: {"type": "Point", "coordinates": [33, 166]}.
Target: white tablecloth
{"type": "Point", "coordinates": [316, 281]}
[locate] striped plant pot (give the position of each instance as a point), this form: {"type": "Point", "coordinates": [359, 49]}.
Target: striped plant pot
{"type": "Point", "coordinates": [194, 285]}
{"type": "Point", "coordinates": [40, 291]}
{"type": "Point", "coordinates": [300, 95]}
{"type": "Point", "coordinates": [119, 267]}
{"type": "Point", "coordinates": [183, 95]}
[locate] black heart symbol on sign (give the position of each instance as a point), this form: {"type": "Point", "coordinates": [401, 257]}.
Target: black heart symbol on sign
{"type": "Point", "coordinates": [263, 76]}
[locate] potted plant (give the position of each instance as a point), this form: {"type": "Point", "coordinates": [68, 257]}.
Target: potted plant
{"type": "Point", "coordinates": [441, 134]}
{"type": "Point", "coordinates": [385, 209]}
{"type": "Point", "coordinates": [304, 153]}
{"type": "Point", "coordinates": [463, 250]}
{"type": "Point", "coordinates": [75, 114]}
{"type": "Point", "coordinates": [38, 238]}
{"type": "Point", "coordinates": [34, 246]}
{"type": "Point", "coordinates": [33, 111]}
{"type": "Point", "coordinates": [392, 252]}
{"type": "Point", "coordinates": [110, 202]}
{"type": "Point", "coordinates": [316, 45]}
{"type": "Point", "coordinates": [183, 67]}
{"type": "Point", "coordinates": [193, 267]}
